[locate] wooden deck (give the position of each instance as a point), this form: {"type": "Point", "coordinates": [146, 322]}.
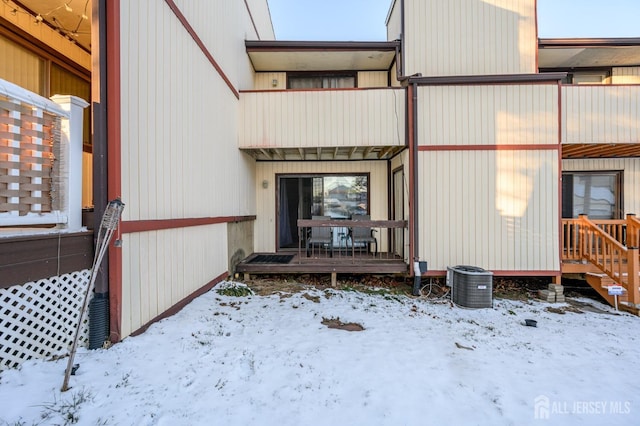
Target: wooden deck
{"type": "Point", "coordinates": [340, 263]}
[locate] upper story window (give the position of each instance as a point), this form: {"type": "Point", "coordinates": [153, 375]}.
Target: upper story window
{"type": "Point", "coordinates": [321, 80]}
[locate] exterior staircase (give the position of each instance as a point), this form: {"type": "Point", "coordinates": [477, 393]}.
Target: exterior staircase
{"type": "Point", "coordinates": [606, 251]}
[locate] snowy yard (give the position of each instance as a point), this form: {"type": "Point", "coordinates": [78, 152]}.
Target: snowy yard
{"type": "Point", "coordinates": [269, 360]}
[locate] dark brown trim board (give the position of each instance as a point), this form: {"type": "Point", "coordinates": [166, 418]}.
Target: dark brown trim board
{"type": "Point", "coordinates": [514, 147]}
{"type": "Point", "coordinates": [323, 46]}
{"type": "Point", "coordinates": [134, 226]}
{"type": "Point", "coordinates": [588, 42]}
{"type": "Point", "coordinates": [499, 273]}
{"type": "Point", "coordinates": [194, 35]}
{"type": "Point", "coordinates": [114, 170]}
{"type": "Point", "coordinates": [550, 77]}
{"type": "Point", "coordinates": [34, 257]}
{"type": "Point", "coordinates": [251, 17]}
{"type": "Point", "coordinates": [181, 304]}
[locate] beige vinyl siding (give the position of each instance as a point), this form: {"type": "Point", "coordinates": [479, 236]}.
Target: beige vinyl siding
{"type": "Point", "coordinates": [625, 75]}
{"type": "Point", "coordinates": [223, 26]}
{"type": "Point", "coordinates": [21, 67]}
{"type": "Point", "coordinates": [46, 35]}
{"type": "Point", "coordinates": [264, 81]}
{"type": "Point", "coordinates": [631, 176]}
{"type": "Point", "coordinates": [322, 118]}
{"type": "Point", "coordinates": [466, 37]}
{"type": "Point", "coordinates": [494, 209]}
{"type": "Point", "coordinates": [261, 18]}
{"type": "Point", "coordinates": [601, 114]}
{"type": "Point", "coordinates": [163, 267]}
{"type": "Point", "coordinates": [179, 153]}
{"type": "Point", "coordinates": [394, 22]}
{"type": "Point", "coordinates": [265, 225]}
{"type": "Point", "coordinates": [488, 115]}
{"type": "Point", "coordinates": [373, 79]}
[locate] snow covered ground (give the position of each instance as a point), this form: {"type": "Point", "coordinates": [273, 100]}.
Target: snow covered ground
{"type": "Point", "coordinates": [268, 360]}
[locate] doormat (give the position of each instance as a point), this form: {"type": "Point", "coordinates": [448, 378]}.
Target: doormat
{"type": "Point", "coordinates": [272, 258]}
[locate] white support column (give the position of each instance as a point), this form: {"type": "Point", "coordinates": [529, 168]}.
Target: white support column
{"type": "Point", "coordinates": [71, 138]}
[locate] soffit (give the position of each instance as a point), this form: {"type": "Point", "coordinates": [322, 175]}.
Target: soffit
{"type": "Point", "coordinates": [321, 56]}
{"type": "Point", "coordinates": [575, 53]}
{"type": "Point", "coordinates": [72, 18]}
{"type": "Point", "coordinates": [600, 150]}
{"type": "Point", "coordinates": [343, 153]}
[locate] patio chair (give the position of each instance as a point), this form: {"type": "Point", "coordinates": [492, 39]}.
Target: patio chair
{"type": "Point", "coordinates": [320, 235]}
{"type": "Point", "coordinates": [363, 235]}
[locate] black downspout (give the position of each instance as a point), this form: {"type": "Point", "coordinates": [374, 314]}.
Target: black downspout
{"type": "Point", "coordinates": [99, 307]}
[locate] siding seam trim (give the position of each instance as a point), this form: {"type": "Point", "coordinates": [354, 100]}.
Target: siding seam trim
{"type": "Point", "coordinates": [187, 26]}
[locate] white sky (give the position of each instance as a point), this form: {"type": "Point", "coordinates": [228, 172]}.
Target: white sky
{"type": "Point", "coordinates": [363, 20]}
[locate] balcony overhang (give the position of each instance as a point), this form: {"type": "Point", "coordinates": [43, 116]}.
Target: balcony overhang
{"type": "Point", "coordinates": [281, 56]}
{"type": "Point", "coordinates": [588, 52]}
{"type": "Point", "coordinates": [343, 153]}
{"type": "Point", "coordinates": [600, 150]}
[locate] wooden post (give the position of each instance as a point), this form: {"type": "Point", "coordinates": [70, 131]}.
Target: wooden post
{"type": "Point", "coordinates": [334, 279]}
{"type": "Point", "coordinates": [633, 293]}
{"type": "Point", "coordinates": [632, 231]}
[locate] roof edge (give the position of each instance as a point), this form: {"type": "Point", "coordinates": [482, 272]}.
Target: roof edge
{"type": "Point", "coordinates": [488, 79]}
{"type": "Point", "coordinates": [588, 42]}
{"type": "Point", "coordinates": [283, 45]}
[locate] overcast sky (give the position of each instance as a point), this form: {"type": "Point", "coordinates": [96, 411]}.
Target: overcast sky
{"type": "Point", "coordinates": [363, 20]}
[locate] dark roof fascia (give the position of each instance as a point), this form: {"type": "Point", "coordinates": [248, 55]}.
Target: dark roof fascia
{"type": "Point", "coordinates": [488, 79]}
{"type": "Point", "coordinates": [588, 42]}
{"type": "Point", "coordinates": [310, 46]}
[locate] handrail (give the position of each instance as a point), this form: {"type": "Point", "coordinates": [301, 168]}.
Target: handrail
{"type": "Point", "coordinates": [304, 225]}
{"type": "Point", "coordinates": [614, 227]}
{"type": "Point", "coordinates": [17, 93]}
{"type": "Point", "coordinates": [588, 239]}
{"type": "Point", "coordinates": [602, 250]}
{"type": "Point", "coordinates": [633, 231]}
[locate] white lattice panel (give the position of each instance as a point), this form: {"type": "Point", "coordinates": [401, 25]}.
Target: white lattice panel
{"type": "Point", "coordinates": [38, 319]}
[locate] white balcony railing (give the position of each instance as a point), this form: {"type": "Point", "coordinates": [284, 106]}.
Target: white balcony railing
{"type": "Point", "coordinates": [40, 158]}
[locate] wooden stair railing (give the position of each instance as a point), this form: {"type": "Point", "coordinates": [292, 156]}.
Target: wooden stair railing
{"type": "Point", "coordinates": [620, 263]}
{"type": "Point", "coordinates": [633, 230]}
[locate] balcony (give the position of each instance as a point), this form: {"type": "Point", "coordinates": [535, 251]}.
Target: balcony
{"type": "Point", "coordinates": [329, 124]}
{"type": "Point", "coordinates": [601, 121]}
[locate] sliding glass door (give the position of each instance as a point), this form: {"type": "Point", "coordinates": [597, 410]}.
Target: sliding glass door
{"type": "Point", "coordinates": [305, 196]}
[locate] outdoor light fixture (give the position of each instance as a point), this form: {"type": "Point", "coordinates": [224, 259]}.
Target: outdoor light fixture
{"type": "Point", "coordinates": [265, 184]}
{"type": "Point", "coordinates": [274, 82]}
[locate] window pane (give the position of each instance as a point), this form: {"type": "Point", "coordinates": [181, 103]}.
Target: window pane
{"type": "Point", "coordinates": [345, 196]}
{"type": "Point", "coordinates": [595, 195]}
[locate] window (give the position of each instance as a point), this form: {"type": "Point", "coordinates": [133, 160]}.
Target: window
{"type": "Point", "coordinates": [321, 81]}
{"type": "Point", "coordinates": [596, 194]}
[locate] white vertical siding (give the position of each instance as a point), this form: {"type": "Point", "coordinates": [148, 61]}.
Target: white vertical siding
{"type": "Point", "coordinates": [163, 267]}
{"type": "Point", "coordinates": [631, 176]}
{"type": "Point", "coordinates": [223, 26]}
{"type": "Point", "coordinates": [466, 37]}
{"type": "Point", "coordinates": [494, 209]}
{"type": "Point", "coordinates": [179, 148]}
{"type": "Point", "coordinates": [264, 81]}
{"type": "Point", "coordinates": [373, 79]}
{"type": "Point", "coordinates": [323, 118]}
{"type": "Point", "coordinates": [601, 114]}
{"type": "Point", "coordinates": [394, 22]}
{"type": "Point", "coordinates": [261, 18]}
{"type": "Point", "coordinates": [265, 225]}
{"type": "Point", "coordinates": [625, 75]}
{"type": "Point", "coordinates": [488, 115]}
